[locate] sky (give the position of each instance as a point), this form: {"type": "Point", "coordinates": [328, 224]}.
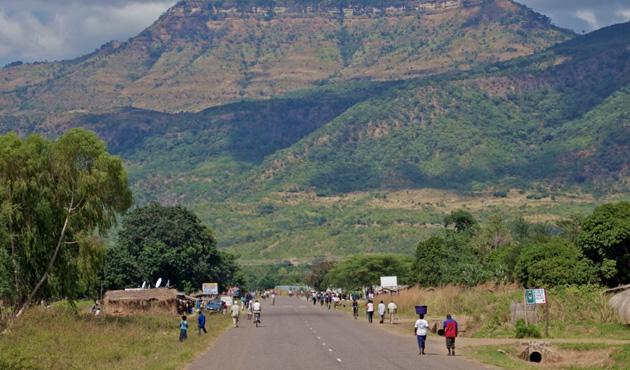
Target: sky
{"type": "Point", "coordinates": [38, 30]}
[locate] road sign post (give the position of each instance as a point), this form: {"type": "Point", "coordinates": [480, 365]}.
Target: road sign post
{"type": "Point", "coordinates": [537, 296]}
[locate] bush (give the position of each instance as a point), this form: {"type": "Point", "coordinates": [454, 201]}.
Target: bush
{"type": "Point", "coordinates": [526, 331]}
{"type": "Point", "coordinates": [551, 263]}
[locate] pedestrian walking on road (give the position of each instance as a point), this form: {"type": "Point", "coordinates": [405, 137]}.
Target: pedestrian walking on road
{"type": "Point", "coordinates": [257, 310]}
{"type": "Point", "coordinates": [420, 331]}
{"type": "Point", "coordinates": [381, 312]}
{"type": "Point", "coordinates": [235, 311]}
{"type": "Point", "coordinates": [250, 310]}
{"type": "Point", "coordinates": [450, 332]}
{"type": "Point", "coordinates": [369, 308]}
{"type": "Point", "coordinates": [273, 298]}
{"type": "Point", "coordinates": [392, 308]}
{"type": "Point", "coordinates": [355, 308]}
{"type": "Point", "coordinates": [201, 322]}
{"type": "Point", "coordinates": [183, 329]}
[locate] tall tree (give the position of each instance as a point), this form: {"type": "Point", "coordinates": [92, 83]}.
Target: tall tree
{"type": "Point", "coordinates": [169, 242]}
{"type": "Point", "coordinates": [54, 196]}
{"type": "Point", "coordinates": [605, 239]}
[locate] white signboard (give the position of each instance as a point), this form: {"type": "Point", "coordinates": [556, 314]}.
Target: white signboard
{"type": "Point", "coordinates": [210, 288]}
{"type": "Point", "coordinates": [389, 281]}
{"type": "Point", "coordinates": [535, 296]}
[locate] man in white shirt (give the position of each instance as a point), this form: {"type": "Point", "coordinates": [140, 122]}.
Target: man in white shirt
{"type": "Point", "coordinates": [235, 311]}
{"type": "Point", "coordinates": [256, 310]}
{"type": "Point", "coordinates": [381, 312]}
{"type": "Point", "coordinates": [391, 307]}
{"type": "Point", "coordinates": [420, 331]}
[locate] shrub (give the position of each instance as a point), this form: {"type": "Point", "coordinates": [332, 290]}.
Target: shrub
{"type": "Point", "coordinates": [526, 331]}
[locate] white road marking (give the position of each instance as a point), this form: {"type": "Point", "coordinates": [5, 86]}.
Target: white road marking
{"type": "Point", "coordinates": [338, 360]}
{"type": "Point", "coordinates": [319, 337]}
{"type": "Point", "coordinates": [329, 349]}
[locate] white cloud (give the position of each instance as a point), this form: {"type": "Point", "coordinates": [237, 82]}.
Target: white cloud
{"type": "Point", "coordinates": [624, 14]}
{"type": "Point", "coordinates": [62, 29]}
{"type": "Point", "coordinates": [589, 17]}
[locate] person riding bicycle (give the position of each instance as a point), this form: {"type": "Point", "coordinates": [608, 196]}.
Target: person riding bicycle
{"type": "Point", "coordinates": [256, 309]}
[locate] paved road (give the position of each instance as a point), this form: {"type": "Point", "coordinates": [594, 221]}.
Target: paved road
{"type": "Point", "coordinates": [295, 335]}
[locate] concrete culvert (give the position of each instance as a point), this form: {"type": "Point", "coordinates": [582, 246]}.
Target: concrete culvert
{"type": "Point", "coordinates": [535, 357]}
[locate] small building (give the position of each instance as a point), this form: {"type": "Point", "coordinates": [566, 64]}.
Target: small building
{"type": "Point", "coordinates": [620, 301]}
{"type": "Point", "coordinates": [133, 301]}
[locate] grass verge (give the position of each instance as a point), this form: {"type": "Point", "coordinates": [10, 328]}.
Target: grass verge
{"type": "Point", "coordinates": [58, 338]}
{"type": "Point", "coordinates": [575, 356]}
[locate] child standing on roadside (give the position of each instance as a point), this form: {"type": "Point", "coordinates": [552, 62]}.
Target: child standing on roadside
{"type": "Point", "coordinates": [183, 329]}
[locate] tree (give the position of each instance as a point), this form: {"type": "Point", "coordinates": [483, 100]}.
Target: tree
{"type": "Point", "coordinates": [54, 196]}
{"type": "Point", "coordinates": [605, 239]}
{"type": "Point", "coordinates": [365, 270]}
{"type": "Point", "coordinates": [316, 277]}
{"type": "Point", "coordinates": [551, 263]}
{"type": "Point", "coordinates": [462, 219]}
{"type": "Point", "coordinates": [168, 242]}
{"type": "Point", "coordinates": [492, 235]}
{"type": "Point", "coordinates": [430, 257]}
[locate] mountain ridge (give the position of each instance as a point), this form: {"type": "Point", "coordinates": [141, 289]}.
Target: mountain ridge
{"type": "Point", "coordinates": [189, 60]}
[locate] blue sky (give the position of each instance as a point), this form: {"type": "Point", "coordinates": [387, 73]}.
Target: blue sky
{"type": "Point", "coordinates": [35, 30]}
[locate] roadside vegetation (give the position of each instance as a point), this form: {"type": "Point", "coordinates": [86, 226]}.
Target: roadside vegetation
{"type": "Point", "coordinates": [595, 356]}
{"type": "Point", "coordinates": [483, 311]}
{"type": "Point", "coordinates": [59, 337]}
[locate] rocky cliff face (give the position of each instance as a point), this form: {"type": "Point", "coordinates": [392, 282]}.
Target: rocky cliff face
{"type": "Point", "coordinates": [204, 53]}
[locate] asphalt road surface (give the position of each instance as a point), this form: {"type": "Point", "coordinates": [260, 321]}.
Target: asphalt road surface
{"type": "Point", "coordinates": [295, 335]}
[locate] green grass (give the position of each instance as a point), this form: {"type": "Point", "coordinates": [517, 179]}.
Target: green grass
{"type": "Point", "coordinates": [57, 338]}
{"type": "Point", "coordinates": [505, 357]}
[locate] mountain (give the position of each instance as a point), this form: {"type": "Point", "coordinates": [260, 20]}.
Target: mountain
{"type": "Point", "coordinates": [203, 53]}
{"type": "Point", "coordinates": [371, 157]}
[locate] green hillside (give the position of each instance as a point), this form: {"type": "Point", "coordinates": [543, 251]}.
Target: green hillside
{"type": "Point", "coordinates": [324, 171]}
{"type": "Point", "coordinates": [369, 158]}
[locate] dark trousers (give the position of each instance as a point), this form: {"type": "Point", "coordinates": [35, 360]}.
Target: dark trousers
{"type": "Point", "coordinates": [183, 334]}
{"type": "Point", "coordinates": [382, 318]}
{"type": "Point", "coordinates": [202, 328]}
{"type": "Point", "coordinates": [421, 342]}
{"type": "Point", "coordinates": [370, 316]}
{"type": "Point", "coordinates": [450, 343]}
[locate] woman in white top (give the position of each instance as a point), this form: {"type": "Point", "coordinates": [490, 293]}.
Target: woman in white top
{"type": "Point", "coordinates": [369, 308]}
{"type": "Point", "coordinates": [420, 331]}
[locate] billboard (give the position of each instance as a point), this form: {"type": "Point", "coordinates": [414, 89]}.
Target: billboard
{"type": "Point", "coordinates": [210, 288]}
{"type": "Point", "coordinates": [389, 281]}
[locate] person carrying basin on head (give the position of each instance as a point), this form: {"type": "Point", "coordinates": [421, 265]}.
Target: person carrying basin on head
{"type": "Point", "coordinates": [420, 331]}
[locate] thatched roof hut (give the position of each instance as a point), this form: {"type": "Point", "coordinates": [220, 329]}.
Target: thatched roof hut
{"type": "Point", "coordinates": [124, 302]}
{"type": "Point", "coordinates": [621, 302]}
